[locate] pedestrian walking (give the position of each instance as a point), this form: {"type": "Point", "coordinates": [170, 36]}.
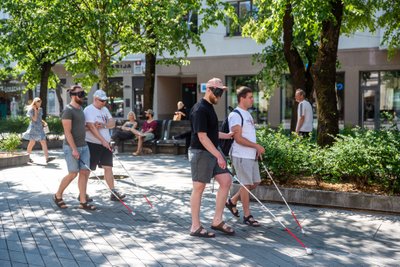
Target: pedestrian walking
{"type": "Point", "coordinates": [99, 122]}
{"type": "Point", "coordinates": [75, 149]}
{"type": "Point", "coordinates": [245, 153]}
{"type": "Point", "coordinates": [304, 124]}
{"type": "Point", "coordinates": [207, 160]}
{"type": "Point", "coordinates": [35, 130]}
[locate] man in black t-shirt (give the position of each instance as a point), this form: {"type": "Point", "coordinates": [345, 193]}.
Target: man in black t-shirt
{"type": "Point", "coordinates": [207, 160]}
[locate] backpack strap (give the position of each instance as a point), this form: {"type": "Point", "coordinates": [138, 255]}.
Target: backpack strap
{"type": "Point", "coordinates": [240, 114]}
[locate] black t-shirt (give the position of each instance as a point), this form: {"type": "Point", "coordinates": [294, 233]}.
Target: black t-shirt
{"type": "Point", "coordinates": [203, 119]}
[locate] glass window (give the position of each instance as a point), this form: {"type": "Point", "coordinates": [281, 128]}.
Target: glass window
{"type": "Point", "coordinates": [51, 102]}
{"type": "Point", "coordinates": [260, 107]}
{"type": "Point", "coordinates": [244, 10]}
{"type": "Point", "coordinates": [380, 103]}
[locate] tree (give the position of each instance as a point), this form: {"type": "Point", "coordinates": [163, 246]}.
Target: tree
{"type": "Point", "coordinates": [390, 21]}
{"type": "Point", "coordinates": [36, 36]}
{"type": "Point", "coordinates": [107, 31]}
{"type": "Point", "coordinates": [169, 28]}
{"type": "Point", "coordinates": [310, 31]}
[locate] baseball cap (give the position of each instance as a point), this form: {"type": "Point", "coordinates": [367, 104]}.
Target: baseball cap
{"type": "Point", "coordinates": [100, 94]}
{"type": "Point", "coordinates": [150, 111]}
{"type": "Point", "coordinates": [216, 83]}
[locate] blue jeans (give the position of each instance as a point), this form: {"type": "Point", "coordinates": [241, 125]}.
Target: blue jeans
{"type": "Point", "coordinates": [73, 164]}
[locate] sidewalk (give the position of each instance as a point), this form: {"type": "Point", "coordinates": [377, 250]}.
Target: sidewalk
{"type": "Point", "coordinates": [35, 232]}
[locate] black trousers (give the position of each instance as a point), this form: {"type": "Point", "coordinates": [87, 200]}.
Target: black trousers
{"type": "Point", "coordinates": [120, 135]}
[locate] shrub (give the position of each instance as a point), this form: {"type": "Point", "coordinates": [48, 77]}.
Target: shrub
{"type": "Point", "coordinates": [55, 125]}
{"type": "Point", "coordinates": [363, 157]}
{"type": "Point", "coordinates": [14, 125]}
{"type": "Point", "coordinates": [10, 143]}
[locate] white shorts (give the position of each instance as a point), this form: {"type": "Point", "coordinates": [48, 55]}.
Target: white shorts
{"type": "Point", "coordinates": [247, 170]}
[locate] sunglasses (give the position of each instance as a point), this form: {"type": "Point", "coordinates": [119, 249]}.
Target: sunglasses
{"type": "Point", "coordinates": [218, 92]}
{"type": "Point", "coordinates": [80, 94]}
{"type": "Point", "coordinates": [102, 101]}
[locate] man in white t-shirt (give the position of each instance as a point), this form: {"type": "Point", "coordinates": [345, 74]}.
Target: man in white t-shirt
{"type": "Point", "coordinates": [99, 121]}
{"type": "Point", "coordinates": [304, 114]}
{"type": "Point", "coordinates": [245, 153]}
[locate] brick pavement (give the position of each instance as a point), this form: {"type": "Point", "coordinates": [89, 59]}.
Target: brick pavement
{"type": "Point", "coordinates": [34, 232]}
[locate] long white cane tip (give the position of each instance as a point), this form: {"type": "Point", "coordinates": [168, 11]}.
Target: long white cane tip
{"type": "Point", "coordinates": [309, 251]}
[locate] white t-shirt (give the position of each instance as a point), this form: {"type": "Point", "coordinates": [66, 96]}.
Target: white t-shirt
{"type": "Point", "coordinates": [248, 132]}
{"type": "Point", "coordinates": [304, 108]}
{"type": "Point", "coordinates": [92, 115]}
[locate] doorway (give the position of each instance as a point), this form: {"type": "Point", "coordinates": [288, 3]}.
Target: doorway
{"type": "Point", "coordinates": [189, 95]}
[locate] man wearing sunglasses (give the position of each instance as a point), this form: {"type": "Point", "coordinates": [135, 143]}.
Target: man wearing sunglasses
{"type": "Point", "coordinates": [99, 121]}
{"type": "Point", "coordinates": [207, 160]}
{"type": "Point", "coordinates": [75, 149]}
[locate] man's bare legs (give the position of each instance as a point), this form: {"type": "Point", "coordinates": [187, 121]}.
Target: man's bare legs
{"type": "Point", "coordinates": [195, 203]}
{"type": "Point", "coordinates": [109, 176]}
{"type": "Point", "coordinates": [82, 184]}
{"type": "Point", "coordinates": [224, 181]}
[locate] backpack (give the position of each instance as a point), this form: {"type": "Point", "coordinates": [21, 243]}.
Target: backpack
{"type": "Point", "coordinates": [226, 144]}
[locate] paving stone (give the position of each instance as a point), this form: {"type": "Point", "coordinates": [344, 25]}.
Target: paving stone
{"type": "Point", "coordinates": [34, 259]}
{"type": "Point", "coordinates": [17, 256]}
{"type": "Point", "coordinates": [4, 263]}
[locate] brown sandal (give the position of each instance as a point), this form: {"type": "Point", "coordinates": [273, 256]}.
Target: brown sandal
{"type": "Point", "coordinates": [223, 228]}
{"type": "Point", "coordinates": [86, 206]}
{"type": "Point", "coordinates": [60, 202]}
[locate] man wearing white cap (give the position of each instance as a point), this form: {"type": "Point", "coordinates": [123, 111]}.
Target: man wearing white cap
{"type": "Point", "coordinates": [207, 160]}
{"type": "Point", "coordinates": [99, 121]}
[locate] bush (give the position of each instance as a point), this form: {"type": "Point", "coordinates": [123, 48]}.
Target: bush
{"type": "Point", "coordinates": [363, 157]}
{"type": "Point", "coordinates": [14, 125]}
{"type": "Point", "coordinates": [10, 143]}
{"type": "Point", "coordinates": [21, 123]}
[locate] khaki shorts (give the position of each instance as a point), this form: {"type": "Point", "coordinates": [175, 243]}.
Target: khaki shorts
{"type": "Point", "coordinates": [203, 165]}
{"type": "Point", "coordinates": [247, 170]}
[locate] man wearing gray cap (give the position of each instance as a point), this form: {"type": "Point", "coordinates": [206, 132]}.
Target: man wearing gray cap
{"type": "Point", "coordinates": [99, 121]}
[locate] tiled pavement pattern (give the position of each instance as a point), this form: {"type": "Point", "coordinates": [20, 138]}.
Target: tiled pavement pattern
{"type": "Point", "coordinates": [34, 232]}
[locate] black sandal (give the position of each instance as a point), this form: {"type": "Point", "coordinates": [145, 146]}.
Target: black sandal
{"type": "Point", "coordinates": [60, 202]}
{"type": "Point", "coordinates": [232, 206]}
{"type": "Point", "coordinates": [249, 220]}
{"type": "Point", "coordinates": [86, 206]}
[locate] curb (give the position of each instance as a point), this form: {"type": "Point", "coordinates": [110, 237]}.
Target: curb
{"type": "Point", "coordinates": [334, 199]}
{"type": "Point", "coordinates": [13, 159]}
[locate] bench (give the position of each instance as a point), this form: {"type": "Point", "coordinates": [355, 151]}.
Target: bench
{"type": "Point", "coordinates": [131, 144]}
{"type": "Point", "coordinates": [170, 145]}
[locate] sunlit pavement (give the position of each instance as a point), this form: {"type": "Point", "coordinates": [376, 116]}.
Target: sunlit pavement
{"type": "Point", "coordinates": [35, 232]}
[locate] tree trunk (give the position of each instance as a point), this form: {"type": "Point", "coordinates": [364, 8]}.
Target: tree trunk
{"type": "Point", "coordinates": [44, 84]}
{"type": "Point", "coordinates": [324, 76]}
{"type": "Point", "coordinates": [103, 67]}
{"type": "Point", "coordinates": [293, 58]}
{"type": "Point", "coordinates": [59, 97]}
{"type": "Point", "coordinates": [149, 79]}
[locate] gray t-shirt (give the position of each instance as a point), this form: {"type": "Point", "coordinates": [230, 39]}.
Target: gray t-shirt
{"type": "Point", "coordinates": [77, 117]}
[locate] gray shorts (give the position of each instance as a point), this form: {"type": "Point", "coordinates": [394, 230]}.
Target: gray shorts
{"type": "Point", "coordinates": [148, 136]}
{"type": "Point", "coordinates": [203, 165]}
{"type": "Point", "coordinates": [73, 164]}
{"type": "Point", "coordinates": [247, 170]}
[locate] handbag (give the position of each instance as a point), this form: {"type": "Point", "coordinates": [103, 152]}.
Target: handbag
{"type": "Point", "coordinates": [45, 127]}
{"type": "Point", "coordinates": [177, 117]}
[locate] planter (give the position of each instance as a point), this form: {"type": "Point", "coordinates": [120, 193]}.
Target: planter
{"type": "Point", "coordinates": [51, 144]}
{"type": "Point", "coordinates": [328, 198]}
{"type": "Point", "coordinates": [12, 159]}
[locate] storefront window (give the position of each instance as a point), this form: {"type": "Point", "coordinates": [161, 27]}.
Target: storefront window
{"type": "Point", "coordinates": [115, 93]}
{"type": "Point", "coordinates": [260, 107]}
{"type": "Point", "coordinates": [380, 98]}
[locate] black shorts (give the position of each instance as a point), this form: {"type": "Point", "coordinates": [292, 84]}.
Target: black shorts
{"type": "Point", "coordinates": [99, 156]}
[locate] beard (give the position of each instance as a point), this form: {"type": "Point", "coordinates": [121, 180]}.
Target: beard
{"type": "Point", "coordinates": [214, 100]}
{"type": "Point", "coordinates": [79, 101]}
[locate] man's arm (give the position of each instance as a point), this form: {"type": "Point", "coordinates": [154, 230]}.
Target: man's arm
{"type": "Point", "coordinates": [237, 135]}
{"type": "Point", "coordinates": [95, 131]}
{"type": "Point", "coordinates": [67, 125]}
{"type": "Point", "coordinates": [206, 142]}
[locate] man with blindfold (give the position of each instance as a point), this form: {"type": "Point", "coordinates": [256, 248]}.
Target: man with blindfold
{"type": "Point", "coordinates": [207, 160]}
{"type": "Point", "coordinates": [75, 149]}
